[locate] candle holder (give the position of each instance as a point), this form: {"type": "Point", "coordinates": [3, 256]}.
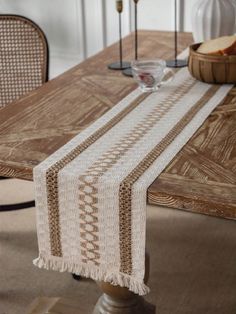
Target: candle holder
{"type": "Point", "coordinates": [128, 72]}
{"type": "Point", "coordinates": [120, 65]}
{"type": "Point", "coordinates": [176, 63]}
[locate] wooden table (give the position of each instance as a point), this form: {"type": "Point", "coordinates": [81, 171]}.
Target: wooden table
{"type": "Point", "coordinates": [201, 178]}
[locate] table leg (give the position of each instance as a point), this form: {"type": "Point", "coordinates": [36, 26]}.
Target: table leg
{"type": "Point", "coordinates": [115, 300]}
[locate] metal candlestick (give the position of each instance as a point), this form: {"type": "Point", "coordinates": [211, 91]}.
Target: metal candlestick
{"type": "Point", "coordinates": [176, 63]}
{"type": "Point", "coordinates": [128, 72]}
{"type": "Point", "coordinates": [136, 27]}
{"type": "Point", "coordinates": [120, 65]}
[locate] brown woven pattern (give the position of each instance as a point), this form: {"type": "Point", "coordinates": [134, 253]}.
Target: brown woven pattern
{"type": "Point", "coordinates": [89, 221]}
{"type": "Point", "coordinates": [125, 191]}
{"type": "Point", "coordinates": [52, 173]}
{"type": "Point", "coordinates": [23, 57]}
{"type": "Point", "coordinates": [88, 191]}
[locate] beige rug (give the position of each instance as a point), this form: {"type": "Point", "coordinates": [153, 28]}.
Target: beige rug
{"type": "Point", "coordinates": [193, 257]}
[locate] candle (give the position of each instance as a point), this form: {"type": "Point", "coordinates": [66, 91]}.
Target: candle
{"type": "Point", "coordinates": [119, 5]}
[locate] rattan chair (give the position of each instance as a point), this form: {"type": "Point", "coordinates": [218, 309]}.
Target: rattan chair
{"type": "Point", "coordinates": [23, 66]}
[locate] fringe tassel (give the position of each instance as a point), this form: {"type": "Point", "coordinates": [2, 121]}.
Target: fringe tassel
{"type": "Point", "coordinates": [88, 271]}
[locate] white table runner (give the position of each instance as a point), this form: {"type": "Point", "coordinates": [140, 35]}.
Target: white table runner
{"type": "Point", "coordinates": [91, 194]}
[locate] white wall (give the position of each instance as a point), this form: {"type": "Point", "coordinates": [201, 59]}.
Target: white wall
{"type": "Point", "coordinates": [79, 28]}
{"type": "Point", "coordinates": [156, 14]}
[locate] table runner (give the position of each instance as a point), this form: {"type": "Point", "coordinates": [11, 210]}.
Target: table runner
{"type": "Point", "coordinates": [91, 193]}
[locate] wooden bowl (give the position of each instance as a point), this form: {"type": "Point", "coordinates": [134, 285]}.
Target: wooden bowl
{"type": "Point", "coordinates": [210, 68]}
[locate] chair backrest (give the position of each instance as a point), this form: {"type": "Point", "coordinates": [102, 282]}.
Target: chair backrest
{"type": "Point", "coordinates": [23, 57]}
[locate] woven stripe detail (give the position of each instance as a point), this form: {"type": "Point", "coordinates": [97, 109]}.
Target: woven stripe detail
{"type": "Point", "coordinates": [88, 192]}
{"type": "Point", "coordinates": [125, 193]}
{"type": "Point", "coordinates": [52, 175]}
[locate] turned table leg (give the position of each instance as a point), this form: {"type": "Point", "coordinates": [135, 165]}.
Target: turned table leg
{"type": "Point", "coordinates": [117, 300]}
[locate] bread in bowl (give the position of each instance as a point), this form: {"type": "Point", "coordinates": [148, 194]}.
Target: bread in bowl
{"type": "Point", "coordinates": [224, 46]}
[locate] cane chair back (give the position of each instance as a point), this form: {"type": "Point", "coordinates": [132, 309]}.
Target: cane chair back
{"type": "Point", "coordinates": [23, 66]}
{"type": "Point", "coordinates": [23, 57]}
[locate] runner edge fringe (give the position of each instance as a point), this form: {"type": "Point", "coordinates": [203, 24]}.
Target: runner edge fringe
{"type": "Point", "coordinates": [115, 279]}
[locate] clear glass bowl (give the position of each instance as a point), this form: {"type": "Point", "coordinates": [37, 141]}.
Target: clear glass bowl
{"type": "Point", "coordinates": [151, 74]}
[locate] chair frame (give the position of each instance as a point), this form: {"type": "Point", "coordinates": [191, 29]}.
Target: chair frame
{"type": "Point", "coordinates": [45, 76]}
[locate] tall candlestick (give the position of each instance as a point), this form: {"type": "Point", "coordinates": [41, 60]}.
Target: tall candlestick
{"type": "Point", "coordinates": [128, 72]}
{"type": "Point", "coordinates": [121, 65]}
{"type": "Point", "coordinates": [176, 63]}
{"type": "Point", "coordinates": [136, 27]}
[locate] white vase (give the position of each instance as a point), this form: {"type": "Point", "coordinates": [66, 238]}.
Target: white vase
{"type": "Point", "coordinates": [213, 18]}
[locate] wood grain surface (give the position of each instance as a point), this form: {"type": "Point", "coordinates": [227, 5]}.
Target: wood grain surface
{"type": "Point", "coordinates": [201, 178]}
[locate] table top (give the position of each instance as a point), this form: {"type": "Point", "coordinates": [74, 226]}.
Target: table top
{"type": "Point", "coordinates": [202, 176]}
